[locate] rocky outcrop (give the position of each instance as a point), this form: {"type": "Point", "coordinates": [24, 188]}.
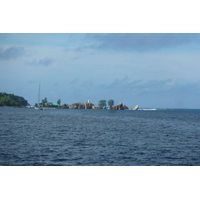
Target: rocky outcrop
{"type": "Point", "coordinates": [77, 106]}
{"type": "Point", "coordinates": [120, 106]}
{"type": "Point", "coordinates": [136, 107]}
{"type": "Point", "coordinates": [86, 105]}
{"type": "Point", "coordinates": [65, 106]}
{"type": "Point", "coordinates": [99, 107]}
{"type": "Point", "coordinates": [89, 105]}
{"type": "Point", "coordinates": [125, 107]}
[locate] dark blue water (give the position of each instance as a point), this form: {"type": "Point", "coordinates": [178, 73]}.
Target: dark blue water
{"type": "Point", "coordinates": [99, 137]}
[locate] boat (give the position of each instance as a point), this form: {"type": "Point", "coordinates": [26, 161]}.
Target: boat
{"type": "Point", "coordinates": [39, 107]}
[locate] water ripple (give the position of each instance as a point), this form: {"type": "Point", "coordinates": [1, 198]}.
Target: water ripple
{"type": "Point", "coordinates": [99, 137]}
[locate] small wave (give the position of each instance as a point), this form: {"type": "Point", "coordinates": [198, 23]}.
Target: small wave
{"type": "Point", "coordinates": [147, 109]}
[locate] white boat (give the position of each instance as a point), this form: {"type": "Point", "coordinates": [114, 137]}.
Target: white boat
{"type": "Point", "coordinates": [39, 107]}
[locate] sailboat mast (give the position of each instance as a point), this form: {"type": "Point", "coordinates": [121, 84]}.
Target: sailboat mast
{"type": "Point", "coordinates": [39, 95]}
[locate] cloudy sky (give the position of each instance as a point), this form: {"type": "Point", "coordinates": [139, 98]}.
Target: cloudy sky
{"type": "Point", "coordinates": [152, 70]}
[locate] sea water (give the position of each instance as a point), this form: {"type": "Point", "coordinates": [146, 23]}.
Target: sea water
{"type": "Point", "coordinates": [70, 137]}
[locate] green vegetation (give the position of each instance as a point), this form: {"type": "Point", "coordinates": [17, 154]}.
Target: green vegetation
{"type": "Point", "coordinates": [102, 103]}
{"type": "Point", "coordinates": [17, 101]}
{"type": "Point", "coordinates": [47, 104]}
{"type": "Point", "coordinates": [110, 103]}
{"type": "Point", "coordinates": [59, 102]}
{"type": "Point", "coordinates": [44, 101]}
{"type": "Point", "coordinates": [12, 100]}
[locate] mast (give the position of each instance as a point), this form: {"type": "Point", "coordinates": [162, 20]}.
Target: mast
{"type": "Point", "coordinates": [39, 96]}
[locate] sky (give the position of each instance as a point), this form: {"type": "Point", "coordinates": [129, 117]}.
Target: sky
{"type": "Point", "coordinates": [152, 70]}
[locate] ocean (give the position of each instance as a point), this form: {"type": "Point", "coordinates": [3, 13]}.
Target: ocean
{"type": "Point", "coordinates": [70, 137]}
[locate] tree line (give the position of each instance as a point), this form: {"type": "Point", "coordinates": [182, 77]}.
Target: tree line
{"type": "Point", "coordinates": [18, 101]}
{"type": "Point", "coordinates": [103, 103]}
{"type": "Point", "coordinates": [45, 103]}
{"type": "Point", "coordinates": [12, 100]}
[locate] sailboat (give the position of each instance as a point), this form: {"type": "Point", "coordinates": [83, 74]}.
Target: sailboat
{"type": "Point", "coordinates": [39, 107]}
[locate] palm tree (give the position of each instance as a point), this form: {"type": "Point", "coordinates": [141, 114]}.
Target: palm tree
{"type": "Point", "coordinates": [59, 102]}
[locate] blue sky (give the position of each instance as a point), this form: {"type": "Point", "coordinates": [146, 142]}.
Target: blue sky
{"type": "Point", "coordinates": [151, 70]}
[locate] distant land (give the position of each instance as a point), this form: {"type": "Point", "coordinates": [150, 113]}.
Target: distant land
{"type": "Point", "coordinates": [11, 100]}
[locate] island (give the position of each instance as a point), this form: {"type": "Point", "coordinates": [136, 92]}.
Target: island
{"type": "Point", "coordinates": [11, 100]}
{"type": "Point", "coordinates": [7, 100]}
{"type": "Point", "coordinates": [89, 105]}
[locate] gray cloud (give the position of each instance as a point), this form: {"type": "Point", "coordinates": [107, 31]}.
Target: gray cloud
{"type": "Point", "coordinates": [44, 62]}
{"type": "Point", "coordinates": [11, 53]}
{"type": "Point", "coordinates": [127, 85]}
{"type": "Point", "coordinates": [141, 41]}
{"type": "Point", "coordinates": [158, 94]}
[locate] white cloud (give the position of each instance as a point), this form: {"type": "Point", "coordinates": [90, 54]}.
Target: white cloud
{"type": "Point", "coordinates": [148, 78]}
